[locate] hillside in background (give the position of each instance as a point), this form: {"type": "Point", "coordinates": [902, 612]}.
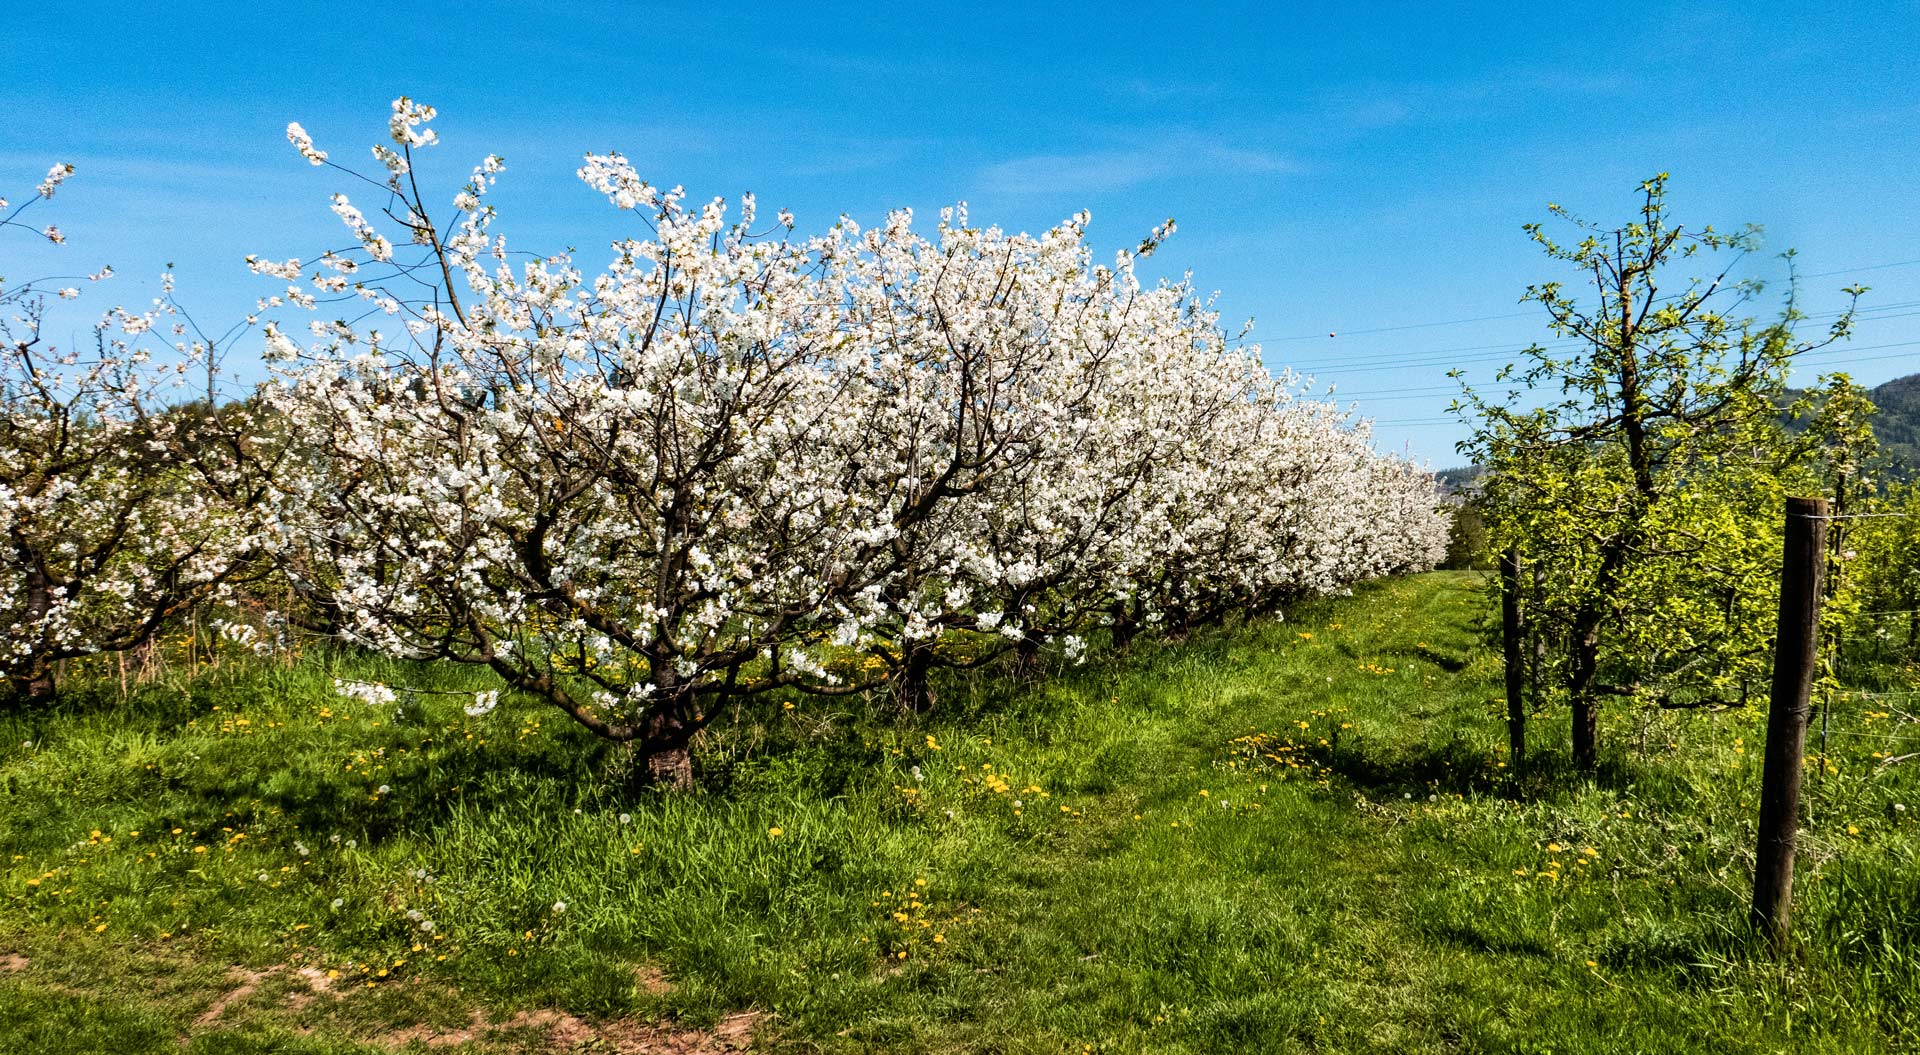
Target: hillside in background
{"type": "Point", "coordinates": [1898, 423]}
{"type": "Point", "coordinates": [1464, 479]}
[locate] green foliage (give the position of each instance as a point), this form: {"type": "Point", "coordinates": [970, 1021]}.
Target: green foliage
{"type": "Point", "coordinates": [1885, 571]}
{"type": "Point", "coordinates": [1290, 836]}
{"type": "Point", "coordinates": [1643, 472]}
{"type": "Point", "coordinates": [1898, 424]}
{"type": "Point", "coordinates": [1467, 548]}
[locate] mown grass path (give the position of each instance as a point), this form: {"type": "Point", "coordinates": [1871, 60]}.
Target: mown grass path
{"type": "Point", "coordinates": [1295, 836]}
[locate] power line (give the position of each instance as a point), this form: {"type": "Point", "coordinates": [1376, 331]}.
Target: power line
{"type": "Point", "coordinates": [1396, 358]}
{"type": "Point", "coordinates": [1838, 362]}
{"type": "Point", "coordinates": [1408, 326]}
{"type": "Point", "coordinates": [1856, 270]}
{"type": "Point", "coordinates": [1444, 356]}
{"type": "Point", "coordinates": [1333, 331]}
{"type": "Point", "coordinates": [1875, 358]}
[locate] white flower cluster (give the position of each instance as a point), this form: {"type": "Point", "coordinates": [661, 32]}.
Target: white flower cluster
{"type": "Point", "coordinates": [304, 144]}
{"type": "Point", "coordinates": [109, 484]}
{"type": "Point", "coordinates": [728, 463]}
{"type": "Point", "coordinates": [56, 175]}
{"type": "Point", "coordinates": [368, 692]}
{"type": "Point", "coordinates": [724, 463]}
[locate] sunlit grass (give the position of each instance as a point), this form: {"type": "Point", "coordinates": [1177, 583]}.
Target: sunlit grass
{"type": "Point", "coordinates": [1291, 836]}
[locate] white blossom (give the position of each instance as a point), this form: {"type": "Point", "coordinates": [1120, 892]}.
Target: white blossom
{"type": "Point", "coordinates": [729, 463]}
{"type": "Point", "coordinates": [303, 143]}
{"type": "Point", "coordinates": [483, 702]}
{"type": "Point", "coordinates": [55, 177]}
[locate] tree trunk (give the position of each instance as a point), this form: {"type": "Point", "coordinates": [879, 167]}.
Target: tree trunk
{"type": "Point", "coordinates": [1125, 628]}
{"type": "Point", "coordinates": [1537, 634]}
{"type": "Point", "coordinates": [667, 752]}
{"type": "Point", "coordinates": [670, 767]}
{"type": "Point", "coordinates": [1027, 665]}
{"type": "Point", "coordinates": [1513, 652]}
{"type": "Point", "coordinates": [1584, 636]}
{"type": "Point", "coordinates": [33, 686]}
{"type": "Point", "coordinates": [35, 683]}
{"type": "Point", "coordinates": [913, 682]}
{"type": "Point", "coordinates": [1585, 704]}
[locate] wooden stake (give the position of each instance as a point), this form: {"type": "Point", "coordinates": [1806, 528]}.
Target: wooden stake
{"type": "Point", "coordinates": [1512, 641]}
{"type": "Point", "coordinates": [1795, 652]}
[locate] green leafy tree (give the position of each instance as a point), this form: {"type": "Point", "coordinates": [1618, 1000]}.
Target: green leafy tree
{"type": "Point", "coordinates": [1467, 540]}
{"type": "Point", "coordinates": [1640, 464]}
{"type": "Point", "coordinates": [1885, 571]}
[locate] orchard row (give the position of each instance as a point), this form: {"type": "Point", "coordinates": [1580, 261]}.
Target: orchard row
{"type": "Point", "coordinates": [736, 460]}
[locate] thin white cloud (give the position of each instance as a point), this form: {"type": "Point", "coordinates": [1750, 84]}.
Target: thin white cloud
{"type": "Point", "coordinates": [1168, 91]}
{"type": "Point", "coordinates": [1096, 171]}
{"type": "Point", "coordinates": [1383, 104]}
{"type": "Point", "coordinates": [840, 159]}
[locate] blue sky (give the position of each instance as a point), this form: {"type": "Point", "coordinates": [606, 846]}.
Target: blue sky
{"type": "Point", "coordinates": [1331, 171]}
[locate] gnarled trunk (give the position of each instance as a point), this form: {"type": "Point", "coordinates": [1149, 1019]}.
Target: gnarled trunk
{"type": "Point", "coordinates": [913, 683]}
{"type": "Point", "coordinates": [1027, 662]}
{"type": "Point", "coordinates": [670, 766]}
{"type": "Point", "coordinates": [34, 682]}
{"type": "Point", "coordinates": [666, 750]}
{"type": "Point", "coordinates": [34, 685]}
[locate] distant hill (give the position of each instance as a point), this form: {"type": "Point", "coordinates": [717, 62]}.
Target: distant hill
{"type": "Point", "coordinates": [1898, 423]}
{"type": "Point", "coordinates": [1463, 479]}
{"type": "Point", "coordinates": [1897, 426]}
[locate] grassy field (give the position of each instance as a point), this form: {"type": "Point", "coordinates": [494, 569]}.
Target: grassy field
{"type": "Point", "coordinates": [1291, 836]}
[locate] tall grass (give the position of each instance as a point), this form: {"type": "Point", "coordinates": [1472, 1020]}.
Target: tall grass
{"type": "Point", "coordinates": [1286, 836]}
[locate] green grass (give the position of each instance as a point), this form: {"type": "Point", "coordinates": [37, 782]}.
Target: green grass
{"type": "Point", "coordinates": [1188, 868]}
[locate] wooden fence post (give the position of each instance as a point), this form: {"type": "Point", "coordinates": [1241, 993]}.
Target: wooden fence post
{"type": "Point", "coordinates": [1512, 642]}
{"type": "Point", "coordinates": [1795, 651]}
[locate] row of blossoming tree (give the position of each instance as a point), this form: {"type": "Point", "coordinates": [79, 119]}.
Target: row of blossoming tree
{"type": "Point", "coordinates": [736, 460]}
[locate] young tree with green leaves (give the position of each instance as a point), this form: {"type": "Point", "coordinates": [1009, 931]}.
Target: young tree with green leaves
{"type": "Point", "coordinates": [1639, 463]}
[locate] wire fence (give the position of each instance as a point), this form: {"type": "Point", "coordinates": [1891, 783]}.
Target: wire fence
{"type": "Point", "coordinates": [1869, 708]}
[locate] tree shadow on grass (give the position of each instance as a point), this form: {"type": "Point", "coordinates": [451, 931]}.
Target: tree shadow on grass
{"type": "Point", "coordinates": [420, 788]}
{"type": "Point", "coordinates": [1460, 768]}
{"type": "Point", "coordinates": [1479, 938]}
{"type": "Point", "coordinates": [1451, 663]}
